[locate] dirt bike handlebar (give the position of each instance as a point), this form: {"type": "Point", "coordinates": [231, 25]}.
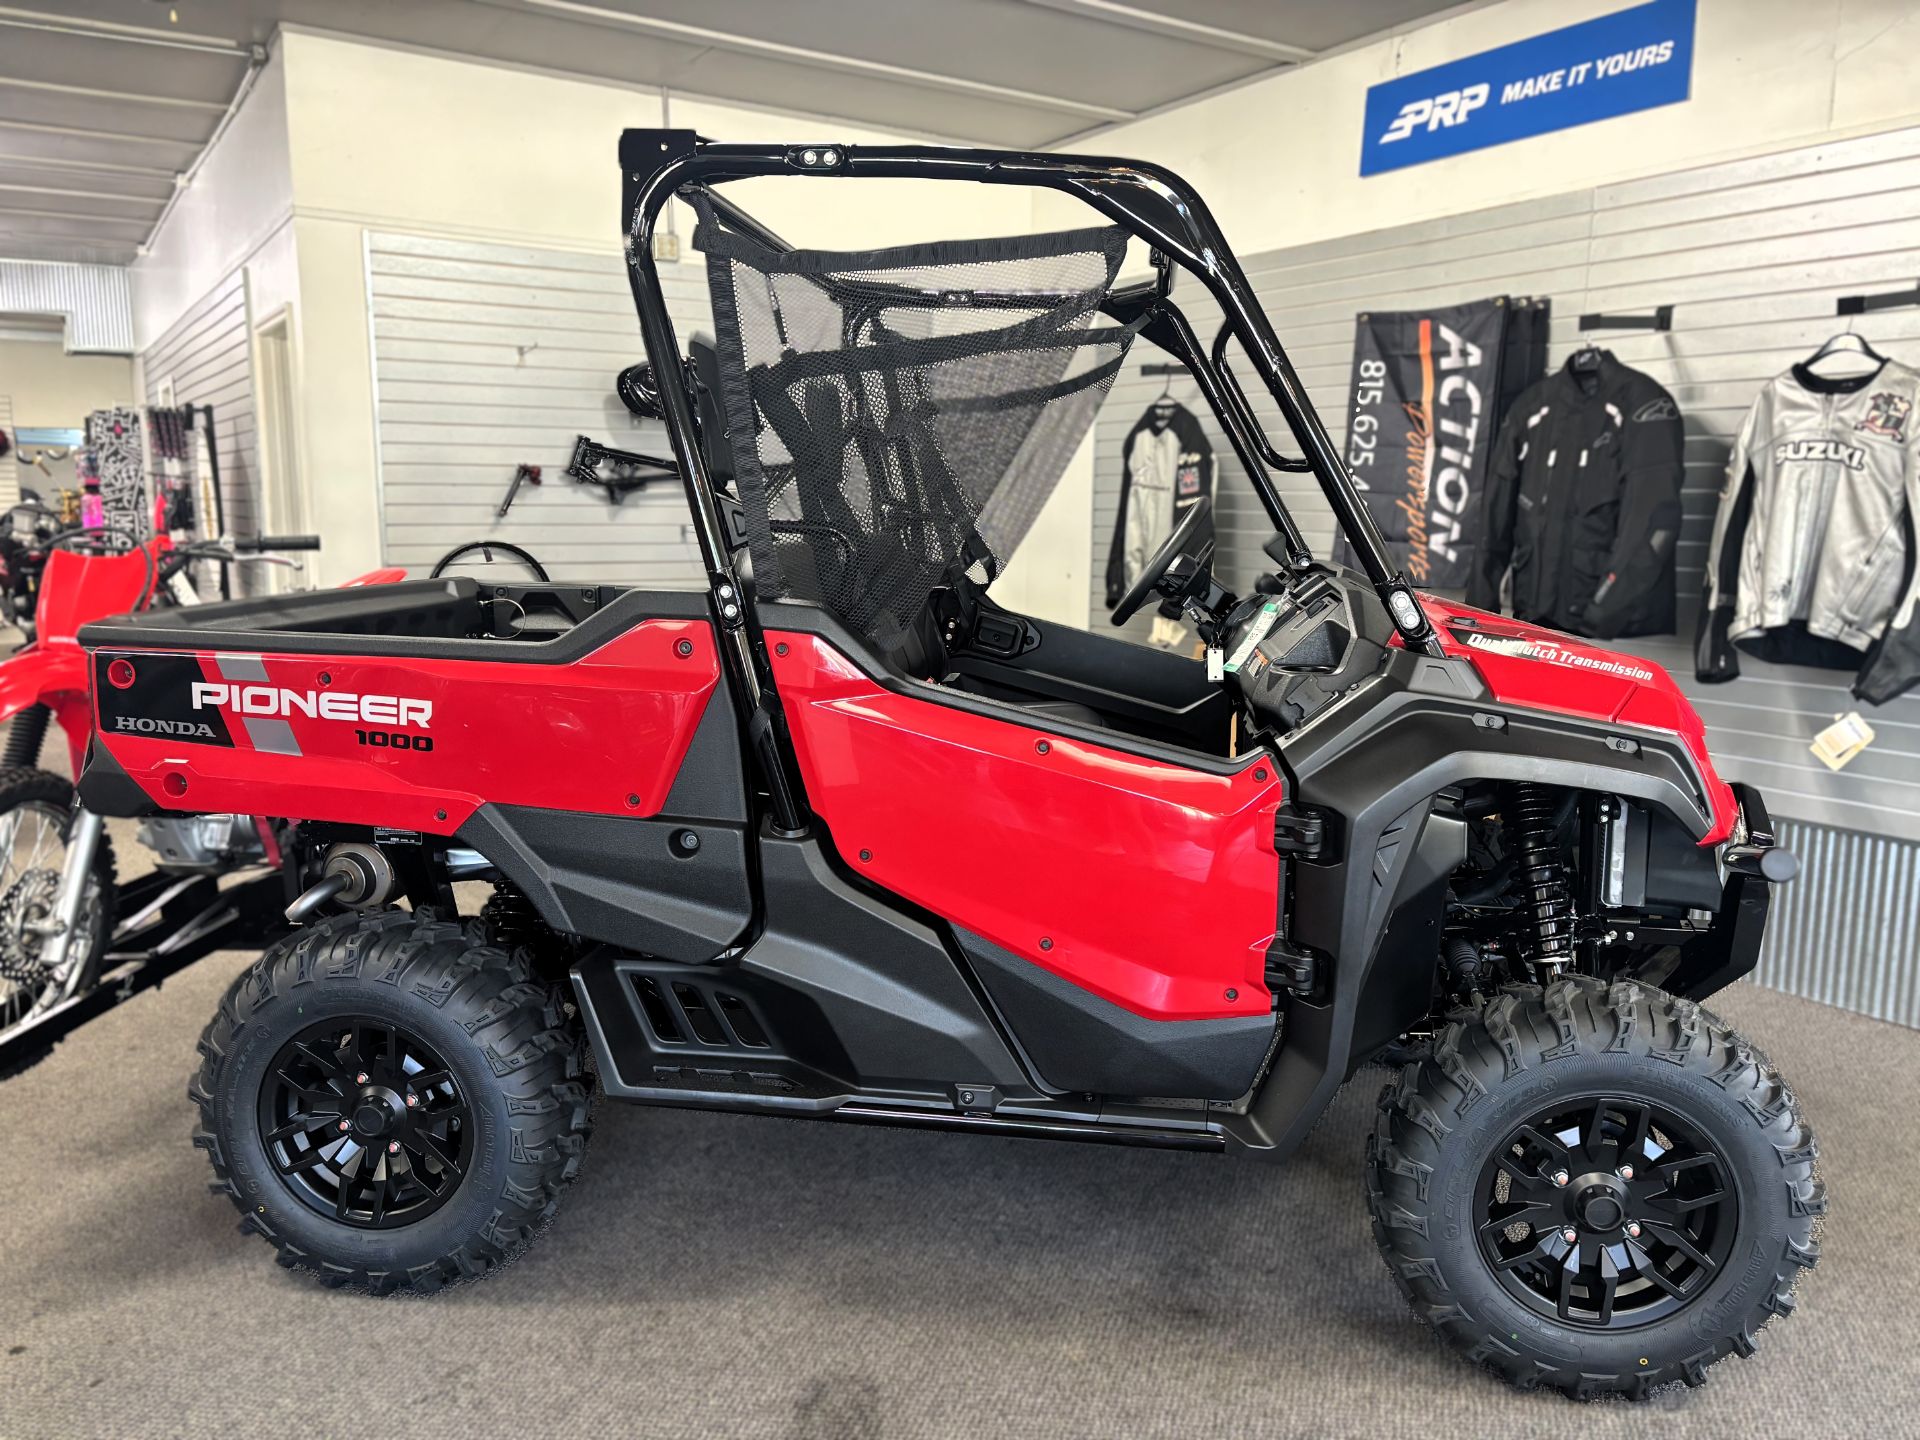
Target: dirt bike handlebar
{"type": "Point", "coordinates": [254, 551]}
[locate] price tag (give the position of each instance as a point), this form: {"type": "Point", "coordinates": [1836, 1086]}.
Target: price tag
{"type": "Point", "coordinates": [1257, 629]}
{"type": "Point", "coordinates": [1842, 740]}
{"type": "Point", "coordinates": [1216, 665]}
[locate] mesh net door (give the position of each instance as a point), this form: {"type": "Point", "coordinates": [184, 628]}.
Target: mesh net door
{"type": "Point", "coordinates": [898, 417]}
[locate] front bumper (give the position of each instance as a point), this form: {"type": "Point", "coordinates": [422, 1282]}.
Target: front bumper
{"type": "Point", "coordinates": [1731, 948]}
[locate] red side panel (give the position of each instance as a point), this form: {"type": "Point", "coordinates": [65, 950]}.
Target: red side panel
{"type": "Point", "coordinates": [54, 675]}
{"type": "Point", "coordinates": [1149, 884]}
{"type": "Point", "coordinates": [604, 734]}
{"type": "Point", "coordinates": [76, 589]}
{"type": "Point", "coordinates": [1542, 669]}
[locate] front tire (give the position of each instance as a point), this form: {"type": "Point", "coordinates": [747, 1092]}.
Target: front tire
{"type": "Point", "coordinates": [391, 1102]}
{"type": "Point", "coordinates": [36, 816]}
{"type": "Point", "coordinates": [26, 735]}
{"type": "Point", "coordinates": [1598, 1188]}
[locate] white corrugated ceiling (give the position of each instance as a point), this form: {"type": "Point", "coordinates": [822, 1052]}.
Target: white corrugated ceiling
{"type": "Point", "coordinates": [104, 102]}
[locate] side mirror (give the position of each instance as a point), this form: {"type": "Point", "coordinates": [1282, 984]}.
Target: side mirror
{"type": "Point", "coordinates": [639, 392]}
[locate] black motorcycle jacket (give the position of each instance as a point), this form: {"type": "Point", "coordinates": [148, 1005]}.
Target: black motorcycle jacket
{"type": "Point", "coordinates": [1583, 504]}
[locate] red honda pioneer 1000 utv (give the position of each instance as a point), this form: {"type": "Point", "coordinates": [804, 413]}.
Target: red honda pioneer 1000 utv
{"type": "Point", "coordinates": [840, 837]}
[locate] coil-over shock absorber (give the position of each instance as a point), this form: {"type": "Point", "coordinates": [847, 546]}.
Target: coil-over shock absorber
{"type": "Point", "coordinates": [512, 921]}
{"type": "Point", "coordinates": [1534, 832]}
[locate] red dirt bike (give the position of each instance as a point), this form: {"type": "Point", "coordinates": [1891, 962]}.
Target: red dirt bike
{"type": "Point", "coordinates": [72, 948]}
{"type": "Point", "coordinates": [842, 838]}
{"type": "Point", "coordinates": [59, 941]}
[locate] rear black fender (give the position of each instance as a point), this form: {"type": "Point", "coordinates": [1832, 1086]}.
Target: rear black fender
{"type": "Point", "coordinates": [677, 884]}
{"type": "Point", "coordinates": [1373, 763]}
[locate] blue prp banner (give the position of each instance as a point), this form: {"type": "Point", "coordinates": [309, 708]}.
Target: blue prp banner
{"type": "Point", "coordinates": [1614, 65]}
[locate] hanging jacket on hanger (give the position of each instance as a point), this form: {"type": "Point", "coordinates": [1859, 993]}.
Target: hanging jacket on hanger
{"type": "Point", "coordinates": [1583, 504]}
{"type": "Point", "coordinates": [1811, 548]}
{"type": "Point", "coordinates": [1892, 666]}
{"type": "Point", "coordinates": [1523, 358]}
{"type": "Point", "coordinates": [1167, 465]}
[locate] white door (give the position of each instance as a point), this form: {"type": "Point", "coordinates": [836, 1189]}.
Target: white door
{"type": "Point", "coordinates": [282, 497]}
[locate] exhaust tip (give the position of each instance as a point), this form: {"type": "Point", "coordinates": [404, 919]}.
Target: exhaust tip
{"type": "Point", "coordinates": [315, 896]}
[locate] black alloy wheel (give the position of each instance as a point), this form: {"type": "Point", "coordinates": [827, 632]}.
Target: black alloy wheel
{"type": "Point", "coordinates": [391, 1102]}
{"type": "Point", "coordinates": [1594, 1186]}
{"type": "Point", "coordinates": [1606, 1211]}
{"type": "Point", "coordinates": [365, 1123]}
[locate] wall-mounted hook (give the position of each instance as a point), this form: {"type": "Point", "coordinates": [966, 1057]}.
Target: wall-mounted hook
{"type": "Point", "coordinates": [1890, 300]}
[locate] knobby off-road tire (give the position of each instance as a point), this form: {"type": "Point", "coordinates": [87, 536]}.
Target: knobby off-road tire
{"type": "Point", "coordinates": [1523, 1054]}
{"type": "Point", "coordinates": [24, 785]}
{"type": "Point", "coordinates": [511, 1057]}
{"type": "Point", "coordinates": [26, 733]}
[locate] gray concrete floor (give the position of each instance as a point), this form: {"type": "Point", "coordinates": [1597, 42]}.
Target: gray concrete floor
{"type": "Point", "coordinates": [730, 1276]}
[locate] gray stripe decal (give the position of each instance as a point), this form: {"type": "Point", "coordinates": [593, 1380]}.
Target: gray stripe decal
{"type": "Point", "coordinates": [270, 736]}
{"type": "Point", "coordinates": [241, 667]}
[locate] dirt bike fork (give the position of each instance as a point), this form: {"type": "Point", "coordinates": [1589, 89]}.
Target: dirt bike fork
{"type": "Point", "coordinates": [83, 842]}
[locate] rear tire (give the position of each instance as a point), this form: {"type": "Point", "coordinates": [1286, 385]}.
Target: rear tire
{"type": "Point", "coordinates": [426, 998]}
{"type": "Point", "coordinates": [1474, 1207]}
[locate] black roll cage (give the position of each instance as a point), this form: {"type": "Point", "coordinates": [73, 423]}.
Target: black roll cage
{"type": "Point", "coordinates": [1152, 204]}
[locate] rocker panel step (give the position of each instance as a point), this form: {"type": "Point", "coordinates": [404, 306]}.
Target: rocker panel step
{"type": "Point", "coordinates": [680, 1034]}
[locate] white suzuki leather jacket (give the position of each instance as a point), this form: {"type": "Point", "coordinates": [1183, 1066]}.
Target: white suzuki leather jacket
{"type": "Point", "coordinates": [1809, 557]}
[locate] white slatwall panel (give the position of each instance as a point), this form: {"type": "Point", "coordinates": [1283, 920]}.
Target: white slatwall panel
{"type": "Point", "coordinates": [1753, 255]}
{"type": "Point", "coordinates": [489, 355]}
{"type": "Point", "coordinates": [208, 355]}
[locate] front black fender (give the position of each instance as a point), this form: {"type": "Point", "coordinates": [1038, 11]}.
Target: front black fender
{"type": "Point", "coordinates": [1374, 761]}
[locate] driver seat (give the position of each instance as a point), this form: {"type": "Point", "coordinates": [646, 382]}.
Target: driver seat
{"type": "Point", "coordinates": [922, 656]}
{"type": "Point", "coordinates": [919, 651]}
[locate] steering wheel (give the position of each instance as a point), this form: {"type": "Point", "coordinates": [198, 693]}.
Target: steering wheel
{"type": "Point", "coordinates": [487, 550]}
{"type": "Point", "coordinates": [1162, 560]}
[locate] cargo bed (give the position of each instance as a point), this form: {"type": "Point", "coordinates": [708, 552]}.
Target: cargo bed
{"type": "Point", "coordinates": [452, 617]}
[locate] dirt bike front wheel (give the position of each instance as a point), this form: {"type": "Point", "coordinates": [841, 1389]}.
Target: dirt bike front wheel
{"type": "Point", "coordinates": [36, 817]}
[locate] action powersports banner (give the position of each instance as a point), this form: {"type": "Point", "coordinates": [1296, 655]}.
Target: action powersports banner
{"type": "Point", "coordinates": [1420, 426]}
